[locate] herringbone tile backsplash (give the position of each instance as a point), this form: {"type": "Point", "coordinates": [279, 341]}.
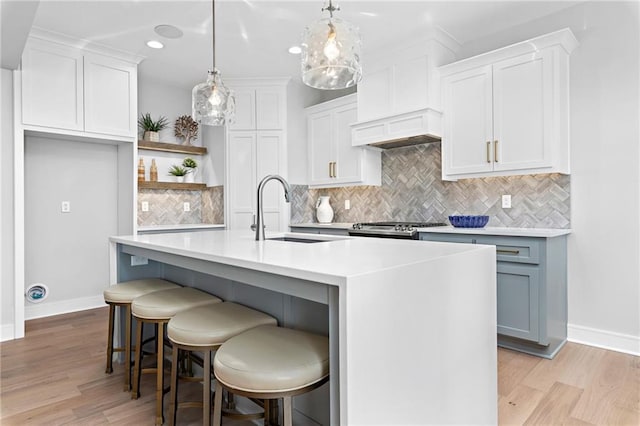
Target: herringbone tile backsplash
{"type": "Point", "coordinates": [166, 206]}
{"type": "Point", "coordinates": [412, 190]}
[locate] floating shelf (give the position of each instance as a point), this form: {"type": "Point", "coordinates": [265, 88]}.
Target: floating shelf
{"type": "Point", "coordinates": [171, 147]}
{"type": "Point", "coordinates": [172, 185]}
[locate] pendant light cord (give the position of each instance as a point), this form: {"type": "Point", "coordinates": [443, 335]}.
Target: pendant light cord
{"type": "Point", "coordinates": [213, 32]}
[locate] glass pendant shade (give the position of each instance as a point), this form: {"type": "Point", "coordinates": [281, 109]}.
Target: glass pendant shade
{"type": "Point", "coordinates": [213, 103]}
{"type": "Point", "coordinates": [331, 54]}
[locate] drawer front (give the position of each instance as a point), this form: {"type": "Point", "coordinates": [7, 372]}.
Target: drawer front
{"type": "Point", "coordinates": [518, 293]}
{"type": "Point", "coordinates": [448, 238]}
{"type": "Point", "coordinates": [514, 249]}
{"type": "Point", "coordinates": [327, 231]}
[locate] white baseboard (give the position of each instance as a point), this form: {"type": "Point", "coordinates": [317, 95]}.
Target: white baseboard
{"type": "Point", "coordinates": [45, 309]}
{"type": "Point", "coordinates": [604, 339]}
{"type": "Point", "coordinates": [6, 332]}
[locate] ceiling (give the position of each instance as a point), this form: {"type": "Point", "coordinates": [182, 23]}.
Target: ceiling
{"type": "Point", "coordinates": [253, 36]}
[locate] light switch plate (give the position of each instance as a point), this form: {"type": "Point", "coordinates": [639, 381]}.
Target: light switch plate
{"type": "Point", "coordinates": [506, 201]}
{"type": "Point", "coordinates": [65, 206]}
{"type": "Point", "coordinates": [186, 207]}
{"type": "Point", "coordinates": [347, 204]}
{"type": "Point", "coordinates": [144, 206]}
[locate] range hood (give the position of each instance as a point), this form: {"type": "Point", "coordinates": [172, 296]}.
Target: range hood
{"type": "Point", "coordinates": [406, 129]}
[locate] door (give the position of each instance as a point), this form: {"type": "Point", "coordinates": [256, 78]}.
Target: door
{"type": "Point", "coordinates": [52, 85]}
{"type": "Point", "coordinates": [110, 97]}
{"type": "Point", "coordinates": [522, 111]}
{"type": "Point", "coordinates": [518, 301]}
{"type": "Point", "coordinates": [242, 178]}
{"type": "Point", "coordinates": [348, 158]}
{"type": "Point", "coordinates": [319, 128]}
{"type": "Point", "coordinates": [271, 161]}
{"type": "Point", "coordinates": [468, 118]}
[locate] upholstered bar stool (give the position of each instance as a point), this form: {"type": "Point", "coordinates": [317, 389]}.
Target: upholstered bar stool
{"type": "Point", "coordinates": [158, 308]}
{"type": "Point", "coordinates": [121, 295]}
{"type": "Point", "coordinates": [203, 330]}
{"type": "Point", "coordinates": [270, 362]}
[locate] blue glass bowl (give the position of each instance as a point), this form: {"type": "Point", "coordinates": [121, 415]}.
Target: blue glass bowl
{"type": "Point", "coordinates": [469, 221]}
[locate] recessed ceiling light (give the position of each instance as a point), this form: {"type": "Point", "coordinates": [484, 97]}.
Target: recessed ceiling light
{"type": "Point", "coordinates": [155, 44]}
{"type": "Point", "coordinates": [168, 31]}
{"type": "Point", "coordinates": [295, 50]}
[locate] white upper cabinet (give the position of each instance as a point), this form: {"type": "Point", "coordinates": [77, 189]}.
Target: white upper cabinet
{"type": "Point", "coordinates": [70, 90]}
{"type": "Point", "coordinates": [259, 108]}
{"type": "Point", "coordinates": [333, 161]}
{"type": "Point", "coordinates": [506, 112]}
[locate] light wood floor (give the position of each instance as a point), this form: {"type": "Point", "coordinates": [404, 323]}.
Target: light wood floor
{"type": "Point", "coordinates": [44, 382]}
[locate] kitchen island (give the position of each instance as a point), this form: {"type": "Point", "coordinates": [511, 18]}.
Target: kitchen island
{"type": "Point", "coordinates": [411, 326]}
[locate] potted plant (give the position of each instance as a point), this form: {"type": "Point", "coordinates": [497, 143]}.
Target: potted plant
{"type": "Point", "coordinates": [151, 128]}
{"type": "Point", "coordinates": [179, 172]}
{"type": "Point", "coordinates": [191, 165]}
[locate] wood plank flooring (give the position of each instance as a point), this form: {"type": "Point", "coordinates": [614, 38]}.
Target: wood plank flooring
{"type": "Point", "coordinates": [55, 376]}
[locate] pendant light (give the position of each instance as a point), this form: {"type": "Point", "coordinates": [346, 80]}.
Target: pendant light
{"type": "Point", "coordinates": [331, 53]}
{"type": "Point", "coordinates": [213, 103]}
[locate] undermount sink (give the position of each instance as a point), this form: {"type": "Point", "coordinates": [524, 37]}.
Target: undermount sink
{"type": "Point", "coordinates": [297, 240]}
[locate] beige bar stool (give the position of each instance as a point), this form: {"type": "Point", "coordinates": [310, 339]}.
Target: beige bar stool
{"type": "Point", "coordinates": [121, 295]}
{"type": "Point", "coordinates": [270, 362]}
{"type": "Point", "coordinates": [203, 330]}
{"type": "Point", "coordinates": [158, 308]}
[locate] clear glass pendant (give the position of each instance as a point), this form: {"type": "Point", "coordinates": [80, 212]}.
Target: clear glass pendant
{"type": "Point", "coordinates": [331, 54]}
{"type": "Point", "coordinates": [213, 104]}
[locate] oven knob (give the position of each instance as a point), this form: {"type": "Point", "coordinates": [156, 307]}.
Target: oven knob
{"type": "Point", "coordinates": [357, 226]}
{"type": "Point", "coordinates": [409, 228]}
{"type": "Point", "coordinates": [397, 228]}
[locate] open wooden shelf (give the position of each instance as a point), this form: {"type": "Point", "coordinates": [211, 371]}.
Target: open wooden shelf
{"type": "Point", "coordinates": [172, 185]}
{"type": "Point", "coordinates": [172, 147]}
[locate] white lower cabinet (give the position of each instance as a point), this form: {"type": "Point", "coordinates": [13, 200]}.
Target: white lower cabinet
{"type": "Point", "coordinates": [506, 112]}
{"type": "Point", "coordinates": [333, 161]}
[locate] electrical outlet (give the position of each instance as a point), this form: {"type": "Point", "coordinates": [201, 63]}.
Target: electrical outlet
{"type": "Point", "coordinates": [139, 260]}
{"type": "Point", "coordinates": [506, 201]}
{"type": "Point", "coordinates": [145, 206]}
{"type": "Point", "coordinates": [65, 207]}
{"type": "Point", "coordinates": [347, 204]}
{"type": "Point", "coordinates": [186, 207]}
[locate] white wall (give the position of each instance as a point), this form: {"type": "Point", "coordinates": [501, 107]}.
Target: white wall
{"type": "Point", "coordinates": [6, 210]}
{"type": "Point", "coordinates": [604, 248]}
{"type": "Point", "coordinates": [69, 252]}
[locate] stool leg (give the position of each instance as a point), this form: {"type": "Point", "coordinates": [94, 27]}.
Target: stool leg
{"type": "Point", "coordinates": [173, 408]}
{"type": "Point", "coordinates": [160, 375]}
{"type": "Point", "coordinates": [206, 385]}
{"type": "Point", "coordinates": [287, 414]}
{"type": "Point", "coordinates": [127, 349]}
{"type": "Point", "coordinates": [109, 368]}
{"type": "Point", "coordinates": [135, 392]}
{"type": "Point", "coordinates": [217, 405]}
{"type": "Point", "coordinates": [273, 410]}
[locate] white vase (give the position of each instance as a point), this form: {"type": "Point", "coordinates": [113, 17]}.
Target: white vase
{"type": "Point", "coordinates": [324, 212]}
{"type": "Point", "coordinates": [190, 177]}
{"type": "Point", "coordinates": [179, 179]}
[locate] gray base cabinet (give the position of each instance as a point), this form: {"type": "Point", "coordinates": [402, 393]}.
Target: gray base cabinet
{"type": "Point", "coordinates": [531, 290]}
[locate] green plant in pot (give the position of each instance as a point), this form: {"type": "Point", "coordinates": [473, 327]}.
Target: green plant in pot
{"type": "Point", "coordinates": [151, 127]}
{"type": "Point", "coordinates": [178, 172]}
{"type": "Point", "coordinates": [191, 165]}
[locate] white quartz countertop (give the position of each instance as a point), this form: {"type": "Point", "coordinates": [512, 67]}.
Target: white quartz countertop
{"type": "Point", "coordinates": [336, 225]}
{"type": "Point", "coordinates": [331, 261]}
{"type": "Point", "coordinates": [501, 231]}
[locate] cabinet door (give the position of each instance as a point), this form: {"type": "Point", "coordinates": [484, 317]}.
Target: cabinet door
{"type": "Point", "coordinates": [52, 85]}
{"type": "Point", "coordinates": [522, 111]}
{"type": "Point", "coordinates": [467, 122]}
{"type": "Point", "coordinates": [320, 141]}
{"type": "Point", "coordinates": [347, 157]}
{"type": "Point", "coordinates": [245, 117]}
{"type": "Point", "coordinates": [518, 300]}
{"type": "Point", "coordinates": [242, 179]}
{"type": "Point", "coordinates": [270, 110]}
{"type": "Point", "coordinates": [271, 160]}
{"type": "Point", "coordinates": [110, 97]}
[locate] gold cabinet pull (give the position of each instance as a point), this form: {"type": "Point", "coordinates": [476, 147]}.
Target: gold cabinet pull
{"type": "Point", "coordinates": [330, 169]}
{"type": "Point", "coordinates": [335, 169]}
{"type": "Point", "coordinates": [503, 251]}
{"type": "Point", "coordinates": [495, 151]}
{"type": "Point", "coordinates": [488, 151]}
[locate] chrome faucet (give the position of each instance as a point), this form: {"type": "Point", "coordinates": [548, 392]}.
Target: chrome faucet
{"type": "Point", "coordinates": [259, 225]}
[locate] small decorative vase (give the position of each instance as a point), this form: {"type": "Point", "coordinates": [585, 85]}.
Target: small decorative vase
{"type": "Point", "coordinates": [324, 212]}
{"type": "Point", "coordinates": [179, 179]}
{"type": "Point", "coordinates": [151, 136]}
{"type": "Point", "coordinates": [191, 176]}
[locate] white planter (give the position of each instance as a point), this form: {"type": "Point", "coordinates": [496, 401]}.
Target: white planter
{"type": "Point", "coordinates": [179, 179]}
{"type": "Point", "coordinates": [190, 177]}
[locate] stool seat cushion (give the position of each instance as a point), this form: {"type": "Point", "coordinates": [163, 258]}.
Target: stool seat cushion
{"type": "Point", "coordinates": [272, 359]}
{"type": "Point", "coordinates": [166, 303]}
{"type": "Point", "coordinates": [126, 291]}
{"type": "Point", "coordinates": [214, 324]}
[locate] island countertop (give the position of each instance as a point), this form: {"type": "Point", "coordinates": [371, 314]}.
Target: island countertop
{"type": "Point", "coordinates": [330, 261]}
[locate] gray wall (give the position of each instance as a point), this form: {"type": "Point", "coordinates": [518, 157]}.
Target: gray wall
{"type": "Point", "coordinates": [604, 248]}
{"type": "Point", "coordinates": [6, 211]}
{"type": "Point", "coordinates": [69, 252]}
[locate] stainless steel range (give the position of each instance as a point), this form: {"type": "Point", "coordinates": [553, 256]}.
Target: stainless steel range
{"type": "Point", "coordinates": [402, 230]}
